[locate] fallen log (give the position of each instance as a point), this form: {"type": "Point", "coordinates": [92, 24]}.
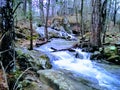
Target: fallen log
{"type": "Point", "coordinates": [40, 43]}
{"type": "Point", "coordinates": [64, 49]}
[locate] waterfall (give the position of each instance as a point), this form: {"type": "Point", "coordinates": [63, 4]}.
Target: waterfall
{"type": "Point", "coordinates": [80, 65]}
{"type": "Point", "coordinates": [86, 67]}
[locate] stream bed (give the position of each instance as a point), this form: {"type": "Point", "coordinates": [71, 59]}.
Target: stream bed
{"type": "Point", "coordinates": [77, 64]}
{"type": "Point", "coordinates": [81, 68]}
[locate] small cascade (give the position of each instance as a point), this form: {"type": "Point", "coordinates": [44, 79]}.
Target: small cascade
{"type": "Point", "coordinates": [85, 67]}
{"type": "Point", "coordinates": [81, 66]}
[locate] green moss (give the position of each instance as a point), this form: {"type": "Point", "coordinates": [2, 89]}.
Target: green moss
{"type": "Point", "coordinates": [114, 57]}
{"type": "Point", "coordinates": [110, 51]}
{"type": "Point", "coordinates": [19, 52]}
{"type": "Point", "coordinates": [34, 37]}
{"type": "Point", "coordinates": [48, 65]}
{"type": "Point", "coordinates": [47, 61]}
{"type": "Point", "coordinates": [44, 57]}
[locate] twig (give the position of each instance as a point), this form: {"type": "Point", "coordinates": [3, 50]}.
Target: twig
{"type": "Point", "coordinates": [4, 74]}
{"type": "Point", "coordinates": [20, 77]}
{"type": "Point", "coordinates": [4, 51]}
{"type": "Point", "coordinates": [8, 65]}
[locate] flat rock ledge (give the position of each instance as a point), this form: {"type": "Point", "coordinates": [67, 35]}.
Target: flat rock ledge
{"type": "Point", "coordinates": [59, 81]}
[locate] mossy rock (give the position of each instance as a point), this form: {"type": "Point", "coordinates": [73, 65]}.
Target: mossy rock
{"type": "Point", "coordinates": [44, 57]}
{"type": "Point", "coordinates": [109, 39]}
{"type": "Point", "coordinates": [26, 58]}
{"type": "Point", "coordinates": [110, 51]}
{"type": "Point", "coordinates": [32, 86]}
{"type": "Point", "coordinates": [115, 59]}
{"type": "Point", "coordinates": [46, 61]}
{"type": "Point", "coordinates": [33, 59]}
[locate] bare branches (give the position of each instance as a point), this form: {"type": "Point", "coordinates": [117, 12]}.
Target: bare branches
{"type": "Point", "coordinates": [16, 7]}
{"type": "Point", "coordinates": [4, 74]}
{"type": "Point", "coordinates": [14, 88]}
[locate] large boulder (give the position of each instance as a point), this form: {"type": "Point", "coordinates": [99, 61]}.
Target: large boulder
{"type": "Point", "coordinates": [33, 59]}
{"type": "Point", "coordinates": [111, 54]}
{"type": "Point", "coordinates": [61, 23]}
{"type": "Point", "coordinates": [60, 81]}
{"type": "Point", "coordinates": [110, 50]}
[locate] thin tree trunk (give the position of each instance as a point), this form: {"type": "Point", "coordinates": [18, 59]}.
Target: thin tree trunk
{"type": "Point", "coordinates": [76, 13]}
{"type": "Point", "coordinates": [41, 11]}
{"type": "Point", "coordinates": [31, 27]}
{"type": "Point", "coordinates": [81, 14]}
{"type": "Point", "coordinates": [46, 22]}
{"type": "Point", "coordinates": [115, 12]}
{"type": "Point", "coordinates": [25, 8]}
{"type": "Point", "coordinates": [53, 7]}
{"type": "Point", "coordinates": [104, 15]}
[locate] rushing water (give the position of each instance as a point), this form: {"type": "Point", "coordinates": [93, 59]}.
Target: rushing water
{"type": "Point", "coordinates": [81, 65]}
{"type": "Point", "coordinates": [66, 60]}
{"type": "Point", "coordinates": [86, 67]}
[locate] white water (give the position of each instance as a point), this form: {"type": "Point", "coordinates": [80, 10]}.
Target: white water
{"type": "Point", "coordinates": [67, 60]}
{"type": "Point", "coordinates": [86, 67]}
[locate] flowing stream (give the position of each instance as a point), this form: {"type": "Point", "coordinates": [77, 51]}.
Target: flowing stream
{"type": "Point", "coordinates": [86, 67]}
{"type": "Point", "coordinates": [104, 75]}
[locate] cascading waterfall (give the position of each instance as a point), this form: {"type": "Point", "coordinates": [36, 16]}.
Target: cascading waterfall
{"type": "Point", "coordinates": [80, 66]}
{"type": "Point", "coordinates": [86, 67]}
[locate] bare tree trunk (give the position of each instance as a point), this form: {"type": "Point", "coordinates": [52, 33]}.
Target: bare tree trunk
{"type": "Point", "coordinates": [81, 14]}
{"type": "Point", "coordinates": [117, 7]}
{"type": "Point", "coordinates": [53, 7]}
{"type": "Point", "coordinates": [76, 13]}
{"type": "Point", "coordinates": [95, 39]}
{"type": "Point", "coordinates": [31, 27]}
{"type": "Point", "coordinates": [115, 12]}
{"type": "Point", "coordinates": [41, 11]}
{"type": "Point", "coordinates": [46, 22]}
{"type": "Point", "coordinates": [25, 8]}
{"type": "Point", "coordinates": [104, 15]}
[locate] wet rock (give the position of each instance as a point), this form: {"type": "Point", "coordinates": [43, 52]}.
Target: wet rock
{"type": "Point", "coordinates": [78, 55]}
{"type": "Point", "coordinates": [96, 55]}
{"type": "Point", "coordinates": [53, 34]}
{"type": "Point", "coordinates": [59, 81]}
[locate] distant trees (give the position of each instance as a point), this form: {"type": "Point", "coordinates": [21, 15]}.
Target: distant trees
{"type": "Point", "coordinates": [103, 12]}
